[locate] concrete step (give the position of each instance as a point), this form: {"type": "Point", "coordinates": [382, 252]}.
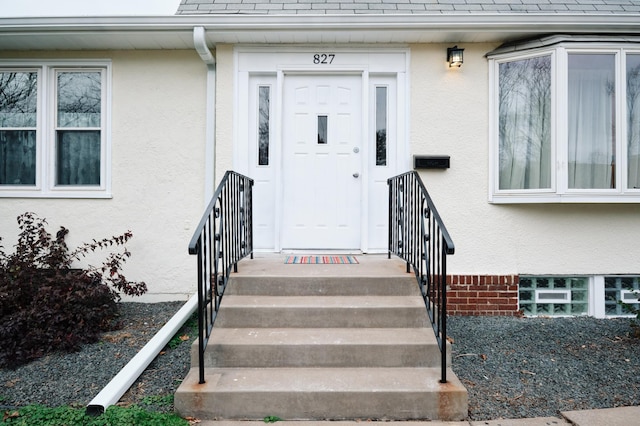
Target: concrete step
{"type": "Point", "coordinates": [322, 393]}
{"type": "Point", "coordinates": [320, 347]}
{"type": "Point", "coordinates": [321, 311]}
{"type": "Point", "coordinates": [306, 285]}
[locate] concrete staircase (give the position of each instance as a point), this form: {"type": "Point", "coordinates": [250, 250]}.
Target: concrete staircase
{"type": "Point", "coordinates": [314, 345]}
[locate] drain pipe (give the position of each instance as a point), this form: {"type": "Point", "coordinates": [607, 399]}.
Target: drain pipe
{"type": "Point", "coordinates": [130, 373]}
{"type": "Point", "coordinates": [200, 43]}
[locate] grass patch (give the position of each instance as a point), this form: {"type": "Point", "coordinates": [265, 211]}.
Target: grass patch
{"type": "Point", "coordinates": [69, 416]}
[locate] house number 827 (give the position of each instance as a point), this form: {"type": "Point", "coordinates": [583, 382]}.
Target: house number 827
{"type": "Point", "coordinates": [323, 58]}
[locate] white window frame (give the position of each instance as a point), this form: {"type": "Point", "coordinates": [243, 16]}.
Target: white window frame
{"type": "Point", "coordinates": [559, 191]}
{"type": "Point", "coordinates": [45, 186]}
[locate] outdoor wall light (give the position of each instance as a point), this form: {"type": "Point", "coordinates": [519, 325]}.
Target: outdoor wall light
{"type": "Point", "coordinates": [454, 56]}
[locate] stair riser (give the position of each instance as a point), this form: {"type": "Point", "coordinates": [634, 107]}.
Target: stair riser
{"type": "Point", "coordinates": [326, 405]}
{"type": "Point", "coordinates": [323, 286]}
{"type": "Point", "coordinates": [259, 356]}
{"type": "Point", "coordinates": [244, 317]}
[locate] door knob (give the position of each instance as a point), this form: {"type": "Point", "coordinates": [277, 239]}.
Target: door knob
{"type": "Point", "coordinates": [356, 175]}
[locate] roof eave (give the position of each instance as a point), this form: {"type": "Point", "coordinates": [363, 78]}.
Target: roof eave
{"type": "Point", "coordinates": [407, 28]}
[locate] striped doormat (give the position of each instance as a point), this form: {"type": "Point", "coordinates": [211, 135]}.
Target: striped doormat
{"type": "Point", "coordinates": [314, 260]}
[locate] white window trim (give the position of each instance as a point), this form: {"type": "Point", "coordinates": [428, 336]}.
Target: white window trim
{"type": "Point", "coordinates": [559, 192]}
{"type": "Point", "coordinates": [45, 131]}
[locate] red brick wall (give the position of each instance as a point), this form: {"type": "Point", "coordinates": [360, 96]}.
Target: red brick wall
{"type": "Point", "coordinates": [482, 295]}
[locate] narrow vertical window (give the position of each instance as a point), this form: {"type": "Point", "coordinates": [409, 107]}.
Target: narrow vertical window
{"type": "Point", "coordinates": [591, 121]}
{"type": "Point", "coordinates": [381, 126]}
{"type": "Point", "coordinates": [78, 128]}
{"type": "Point", "coordinates": [264, 98]}
{"type": "Point", "coordinates": [633, 120]}
{"type": "Point", "coordinates": [524, 108]}
{"type": "Point", "coordinates": [322, 129]}
{"type": "Point", "coordinates": [18, 104]}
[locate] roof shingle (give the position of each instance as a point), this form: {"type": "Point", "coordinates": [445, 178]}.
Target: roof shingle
{"type": "Point", "coordinates": [258, 7]}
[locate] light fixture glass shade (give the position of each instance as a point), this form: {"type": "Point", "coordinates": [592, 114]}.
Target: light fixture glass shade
{"type": "Point", "coordinates": [454, 56]}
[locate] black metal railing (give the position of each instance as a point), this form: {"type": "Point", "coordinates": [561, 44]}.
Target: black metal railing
{"type": "Point", "coordinates": [224, 237]}
{"type": "Point", "coordinates": [418, 236]}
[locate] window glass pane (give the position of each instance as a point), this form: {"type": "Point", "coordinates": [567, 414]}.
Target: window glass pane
{"type": "Point", "coordinates": [263, 125]}
{"type": "Point", "coordinates": [78, 157]}
{"type": "Point", "coordinates": [17, 157]}
{"type": "Point", "coordinates": [79, 100]}
{"type": "Point", "coordinates": [381, 126]}
{"type": "Point", "coordinates": [591, 121]}
{"type": "Point", "coordinates": [322, 129]}
{"type": "Point", "coordinates": [525, 124]}
{"type": "Point", "coordinates": [18, 119]}
{"type": "Point", "coordinates": [633, 119]}
{"type": "Point", "coordinates": [18, 99]}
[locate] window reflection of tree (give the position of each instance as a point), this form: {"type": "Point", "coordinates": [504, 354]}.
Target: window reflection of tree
{"type": "Point", "coordinates": [524, 123]}
{"type": "Point", "coordinates": [263, 126]}
{"type": "Point", "coordinates": [78, 149]}
{"type": "Point", "coordinates": [633, 119]}
{"type": "Point", "coordinates": [18, 104]}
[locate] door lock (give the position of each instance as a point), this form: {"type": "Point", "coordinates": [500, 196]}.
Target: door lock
{"type": "Point", "coordinates": [356, 149]}
{"type": "Point", "coordinates": [356, 175]}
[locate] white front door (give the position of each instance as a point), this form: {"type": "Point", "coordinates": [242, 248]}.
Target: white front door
{"type": "Point", "coordinates": [321, 162]}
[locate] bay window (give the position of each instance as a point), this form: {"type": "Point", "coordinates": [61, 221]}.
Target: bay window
{"type": "Point", "coordinates": [566, 125]}
{"type": "Point", "coordinates": [53, 130]}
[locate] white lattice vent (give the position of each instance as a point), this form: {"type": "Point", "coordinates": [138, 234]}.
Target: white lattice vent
{"type": "Point", "coordinates": [630, 296]}
{"type": "Point", "coordinates": [553, 296]}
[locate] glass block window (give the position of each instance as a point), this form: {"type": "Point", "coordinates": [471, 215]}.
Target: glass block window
{"type": "Point", "coordinates": [549, 296]}
{"type": "Point", "coordinates": [618, 289]}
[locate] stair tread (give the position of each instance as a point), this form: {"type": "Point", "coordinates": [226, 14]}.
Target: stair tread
{"type": "Point", "coordinates": [233, 301]}
{"type": "Point", "coordinates": [322, 336]}
{"type": "Point", "coordinates": [312, 379]}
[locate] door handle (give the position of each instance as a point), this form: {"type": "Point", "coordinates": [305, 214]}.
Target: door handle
{"type": "Point", "coordinates": [356, 175]}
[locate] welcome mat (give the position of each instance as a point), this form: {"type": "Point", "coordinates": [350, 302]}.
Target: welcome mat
{"type": "Point", "coordinates": [308, 260]}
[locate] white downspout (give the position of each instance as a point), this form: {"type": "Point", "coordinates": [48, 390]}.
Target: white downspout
{"type": "Point", "coordinates": [200, 43]}
{"type": "Point", "coordinates": [111, 393]}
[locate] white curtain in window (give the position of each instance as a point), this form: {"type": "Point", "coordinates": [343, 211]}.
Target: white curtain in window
{"type": "Point", "coordinates": [525, 124]}
{"type": "Point", "coordinates": [591, 121]}
{"type": "Point", "coordinates": [78, 158]}
{"type": "Point", "coordinates": [633, 120]}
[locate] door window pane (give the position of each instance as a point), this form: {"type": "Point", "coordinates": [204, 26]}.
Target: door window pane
{"type": "Point", "coordinates": [633, 120]}
{"type": "Point", "coordinates": [381, 126]}
{"type": "Point", "coordinates": [525, 124]}
{"type": "Point", "coordinates": [263, 125]}
{"type": "Point", "coordinates": [18, 120]}
{"type": "Point", "coordinates": [591, 121]}
{"type": "Point", "coordinates": [322, 129]}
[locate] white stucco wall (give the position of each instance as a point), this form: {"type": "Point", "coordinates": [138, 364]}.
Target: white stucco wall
{"type": "Point", "coordinates": [449, 116]}
{"type": "Point", "coordinates": [158, 127]}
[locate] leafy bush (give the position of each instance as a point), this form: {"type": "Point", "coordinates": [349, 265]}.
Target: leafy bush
{"type": "Point", "coordinates": [45, 304]}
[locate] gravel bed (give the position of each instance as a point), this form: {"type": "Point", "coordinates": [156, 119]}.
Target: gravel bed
{"type": "Point", "coordinates": [533, 367]}
{"type": "Point", "coordinates": [512, 367]}
{"type": "Point", "coordinates": [76, 378]}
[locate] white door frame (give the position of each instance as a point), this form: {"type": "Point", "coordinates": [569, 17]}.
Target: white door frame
{"type": "Point", "coordinates": [278, 62]}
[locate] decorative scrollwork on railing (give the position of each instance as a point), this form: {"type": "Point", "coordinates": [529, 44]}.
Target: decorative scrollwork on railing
{"type": "Point", "coordinates": [223, 237]}
{"type": "Point", "coordinates": [418, 236]}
